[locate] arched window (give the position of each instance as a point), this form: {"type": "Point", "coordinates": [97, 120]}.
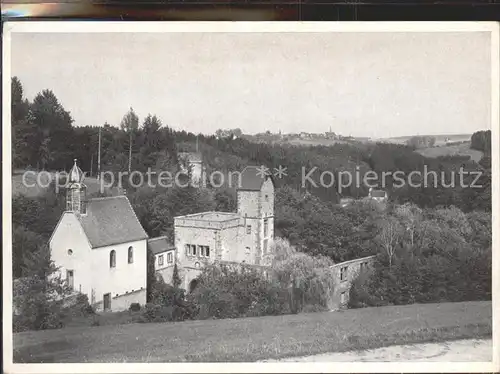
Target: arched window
{"type": "Point", "coordinates": [130, 255]}
{"type": "Point", "coordinates": [112, 259]}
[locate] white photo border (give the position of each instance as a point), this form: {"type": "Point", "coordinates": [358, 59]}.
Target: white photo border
{"type": "Point", "coordinates": [11, 27]}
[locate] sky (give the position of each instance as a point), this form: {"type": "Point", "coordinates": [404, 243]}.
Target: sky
{"type": "Point", "coordinates": [360, 84]}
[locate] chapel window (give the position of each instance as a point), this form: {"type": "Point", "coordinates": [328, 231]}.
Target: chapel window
{"type": "Point", "coordinates": [112, 259]}
{"type": "Point", "coordinates": [130, 255]}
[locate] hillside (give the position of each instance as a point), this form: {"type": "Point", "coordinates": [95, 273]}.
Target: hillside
{"type": "Point", "coordinates": [251, 339]}
{"type": "Point", "coordinates": [462, 149]}
{"type": "Point", "coordinates": [31, 188]}
{"type": "Point", "coordinates": [440, 139]}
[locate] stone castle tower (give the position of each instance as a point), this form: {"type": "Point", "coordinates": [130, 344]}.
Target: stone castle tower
{"type": "Point", "coordinates": [256, 206]}
{"type": "Point", "coordinates": [227, 237]}
{"type": "Point", "coordinates": [76, 191]}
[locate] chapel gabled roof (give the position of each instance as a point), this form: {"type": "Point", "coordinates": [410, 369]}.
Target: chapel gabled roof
{"type": "Point", "coordinates": [111, 220]}
{"type": "Point", "coordinates": [252, 178]}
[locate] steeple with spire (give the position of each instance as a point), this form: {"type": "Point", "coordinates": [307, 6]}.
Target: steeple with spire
{"type": "Point", "coordinates": [76, 190]}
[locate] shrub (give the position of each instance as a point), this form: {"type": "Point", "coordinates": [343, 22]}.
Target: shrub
{"type": "Point", "coordinates": [359, 293]}
{"type": "Point", "coordinates": [38, 297]}
{"type": "Point", "coordinates": [83, 306]}
{"type": "Point", "coordinates": [157, 313]}
{"type": "Point", "coordinates": [168, 303]}
{"type": "Point", "coordinates": [307, 279]}
{"type": "Point", "coordinates": [235, 291]}
{"type": "Point", "coordinates": [134, 307]}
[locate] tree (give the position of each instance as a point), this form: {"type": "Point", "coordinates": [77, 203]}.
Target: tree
{"type": "Point", "coordinates": [225, 200]}
{"type": "Point", "coordinates": [421, 141]}
{"type": "Point", "coordinates": [24, 243]}
{"type": "Point", "coordinates": [149, 140]}
{"type": "Point", "coordinates": [481, 235]}
{"type": "Point", "coordinates": [151, 124]}
{"type": "Point", "coordinates": [307, 278]}
{"type": "Point", "coordinates": [39, 296]}
{"type": "Point", "coordinates": [44, 154]}
{"type": "Point", "coordinates": [454, 218]}
{"type": "Point", "coordinates": [481, 140]}
{"type": "Point", "coordinates": [21, 130]}
{"type": "Point", "coordinates": [389, 236]}
{"type": "Point", "coordinates": [151, 275]}
{"type": "Point", "coordinates": [231, 291]}
{"type": "Point", "coordinates": [176, 279]}
{"type": "Point", "coordinates": [410, 216]}
{"type": "Point", "coordinates": [54, 134]}
{"type": "Point", "coordinates": [130, 124]}
{"type": "Point", "coordinates": [237, 132]}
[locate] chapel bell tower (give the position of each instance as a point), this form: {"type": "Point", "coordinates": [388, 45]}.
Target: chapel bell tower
{"type": "Point", "coordinates": [76, 191]}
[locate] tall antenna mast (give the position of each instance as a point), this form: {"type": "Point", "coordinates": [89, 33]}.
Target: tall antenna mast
{"type": "Point", "coordinates": [99, 156]}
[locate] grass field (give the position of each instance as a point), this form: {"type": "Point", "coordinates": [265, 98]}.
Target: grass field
{"type": "Point", "coordinates": [315, 142]}
{"type": "Point", "coordinates": [34, 185]}
{"type": "Point", "coordinates": [29, 186]}
{"type": "Point", "coordinates": [252, 339]}
{"type": "Point", "coordinates": [452, 150]}
{"type": "Point", "coordinates": [440, 139]}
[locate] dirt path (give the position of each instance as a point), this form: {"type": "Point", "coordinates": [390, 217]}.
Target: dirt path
{"type": "Point", "coordinates": [458, 351]}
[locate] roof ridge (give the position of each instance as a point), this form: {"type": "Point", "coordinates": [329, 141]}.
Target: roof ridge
{"type": "Point", "coordinates": [107, 197]}
{"type": "Point", "coordinates": [158, 238]}
{"type": "Point", "coordinates": [216, 211]}
{"type": "Point", "coordinates": [252, 166]}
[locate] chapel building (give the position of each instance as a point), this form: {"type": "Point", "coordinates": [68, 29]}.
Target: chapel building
{"type": "Point", "coordinates": [100, 248]}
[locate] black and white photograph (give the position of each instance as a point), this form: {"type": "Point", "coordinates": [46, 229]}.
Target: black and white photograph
{"type": "Point", "coordinates": [250, 197]}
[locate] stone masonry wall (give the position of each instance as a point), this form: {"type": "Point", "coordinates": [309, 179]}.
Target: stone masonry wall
{"type": "Point", "coordinates": [340, 294]}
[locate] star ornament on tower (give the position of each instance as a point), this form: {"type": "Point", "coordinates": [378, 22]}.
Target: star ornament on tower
{"type": "Point", "coordinates": [280, 172]}
{"type": "Point", "coordinates": [262, 171]}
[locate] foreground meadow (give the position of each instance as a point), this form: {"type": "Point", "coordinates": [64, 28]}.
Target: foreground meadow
{"type": "Point", "coordinates": [260, 338]}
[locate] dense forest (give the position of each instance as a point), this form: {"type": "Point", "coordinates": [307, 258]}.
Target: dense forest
{"type": "Point", "coordinates": [437, 232]}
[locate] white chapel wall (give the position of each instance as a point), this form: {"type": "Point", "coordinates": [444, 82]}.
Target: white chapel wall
{"type": "Point", "coordinates": [69, 235]}
{"type": "Point", "coordinates": [124, 277]}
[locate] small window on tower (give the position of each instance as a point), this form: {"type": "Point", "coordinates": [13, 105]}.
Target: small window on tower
{"type": "Point", "coordinates": [343, 273]}
{"type": "Point", "coordinates": [249, 229]}
{"type": "Point", "coordinates": [267, 197]}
